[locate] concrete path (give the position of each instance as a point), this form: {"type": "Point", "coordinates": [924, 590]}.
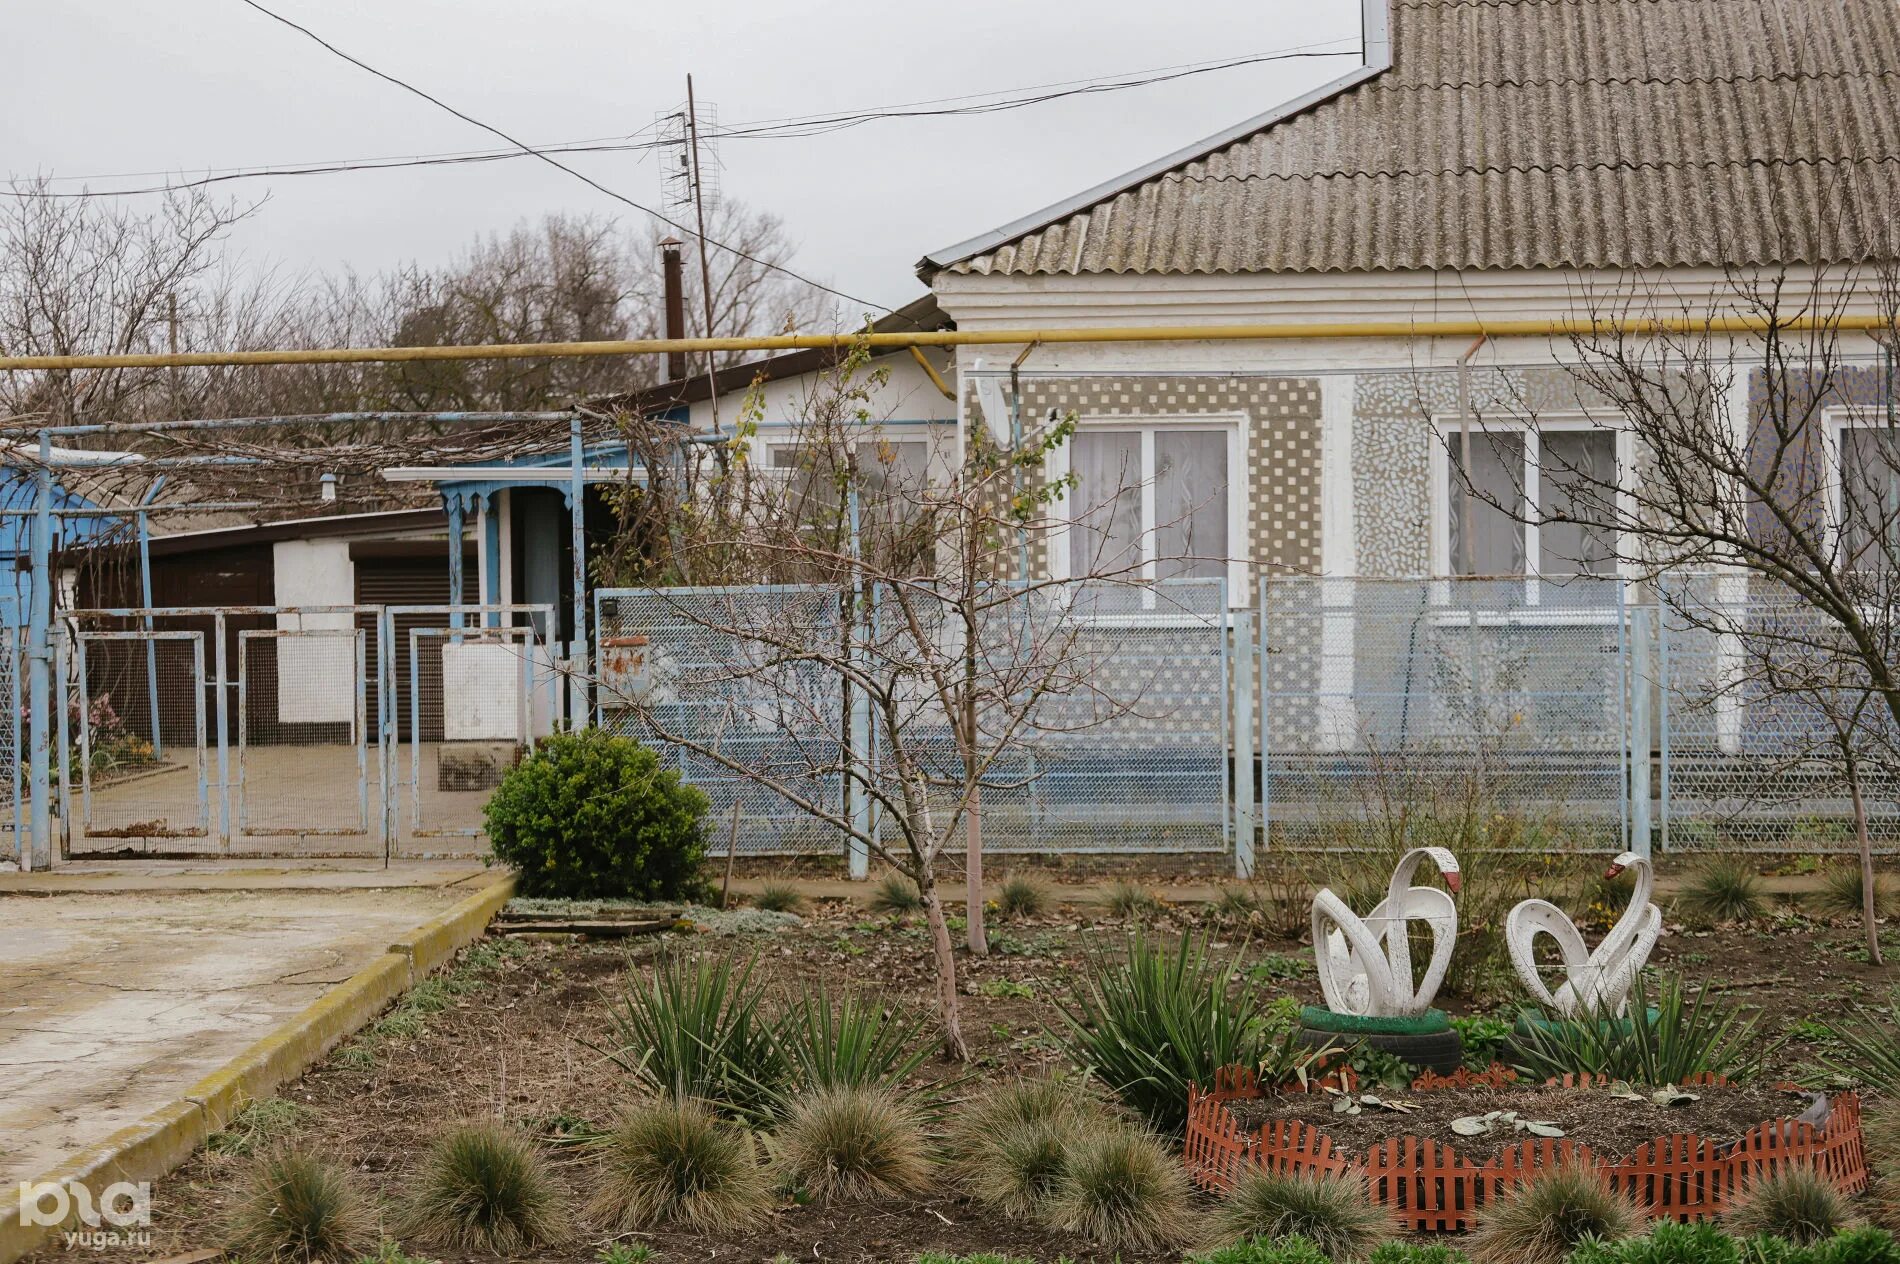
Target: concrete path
{"type": "Point", "coordinates": [123, 985]}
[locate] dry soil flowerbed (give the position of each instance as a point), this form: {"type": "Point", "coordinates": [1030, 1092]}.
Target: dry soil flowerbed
{"type": "Point", "coordinates": [1612, 1127]}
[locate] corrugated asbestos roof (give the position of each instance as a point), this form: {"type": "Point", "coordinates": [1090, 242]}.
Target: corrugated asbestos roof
{"type": "Point", "coordinates": [1540, 133]}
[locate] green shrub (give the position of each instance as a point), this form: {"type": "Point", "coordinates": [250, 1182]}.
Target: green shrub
{"type": "Point", "coordinates": [694, 1030]}
{"type": "Point", "coordinates": [1667, 1242]}
{"type": "Point", "coordinates": [1670, 1243]}
{"type": "Point", "coordinates": [1123, 1189]}
{"type": "Point", "coordinates": [295, 1206]}
{"type": "Point", "coordinates": [1293, 1250]}
{"type": "Point", "coordinates": [779, 897]}
{"type": "Point", "coordinates": [1485, 1040]}
{"type": "Point", "coordinates": [896, 895]}
{"type": "Point", "coordinates": [1797, 1204]}
{"type": "Point", "coordinates": [1723, 889]}
{"type": "Point", "coordinates": [485, 1189]}
{"type": "Point", "coordinates": [1332, 1212]}
{"type": "Point", "coordinates": [591, 815]}
{"type": "Point", "coordinates": [1540, 1222]}
{"type": "Point", "coordinates": [852, 1142]}
{"type": "Point", "coordinates": [1658, 1043]}
{"type": "Point", "coordinates": [1395, 1252]}
{"type": "Point", "coordinates": [674, 1163]}
{"type": "Point", "coordinates": [1021, 896]}
{"type": "Point", "coordinates": [849, 1039]}
{"type": "Point", "coordinates": [1160, 1018]}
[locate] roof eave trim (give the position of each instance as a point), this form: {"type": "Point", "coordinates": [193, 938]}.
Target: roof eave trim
{"type": "Point", "coordinates": [1377, 39]}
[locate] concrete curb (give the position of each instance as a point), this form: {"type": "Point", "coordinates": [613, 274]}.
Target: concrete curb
{"type": "Point", "coordinates": [158, 1143]}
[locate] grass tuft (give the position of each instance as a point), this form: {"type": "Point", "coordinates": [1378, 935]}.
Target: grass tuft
{"type": "Point", "coordinates": [297, 1207]}
{"type": "Point", "coordinates": [484, 1188]}
{"type": "Point", "coordinates": [258, 1126]}
{"type": "Point", "coordinates": [675, 1163]}
{"type": "Point", "coordinates": [1723, 889]}
{"type": "Point", "coordinates": [1839, 894]}
{"type": "Point", "coordinates": [1130, 899]}
{"type": "Point", "coordinates": [1236, 904]}
{"type": "Point", "coordinates": [1332, 1212]}
{"type": "Point", "coordinates": [1797, 1204]}
{"type": "Point", "coordinates": [694, 1030]}
{"type": "Point", "coordinates": [779, 897]}
{"type": "Point", "coordinates": [1022, 896]}
{"type": "Point", "coordinates": [849, 1038]}
{"type": "Point", "coordinates": [853, 1142]}
{"type": "Point", "coordinates": [896, 895]}
{"type": "Point", "coordinates": [1124, 1190]}
{"type": "Point", "coordinates": [1540, 1222]}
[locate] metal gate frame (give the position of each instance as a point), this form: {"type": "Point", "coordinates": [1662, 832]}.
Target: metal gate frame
{"type": "Point", "coordinates": [359, 725]}
{"type": "Point", "coordinates": [453, 626]}
{"type": "Point", "coordinates": [149, 637]}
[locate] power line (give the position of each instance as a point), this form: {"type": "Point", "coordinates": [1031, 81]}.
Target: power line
{"type": "Point", "coordinates": [787, 128]}
{"type": "Point", "coordinates": [554, 162]}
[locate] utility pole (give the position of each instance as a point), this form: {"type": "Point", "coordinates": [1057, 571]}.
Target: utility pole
{"type": "Point", "coordinates": [705, 264]}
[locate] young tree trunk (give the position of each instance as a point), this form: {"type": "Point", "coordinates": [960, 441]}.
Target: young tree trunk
{"type": "Point", "coordinates": [1866, 844]}
{"type": "Point", "coordinates": [945, 955]}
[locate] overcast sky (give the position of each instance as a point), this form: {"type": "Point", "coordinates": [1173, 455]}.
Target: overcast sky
{"type": "Point", "coordinates": [99, 87]}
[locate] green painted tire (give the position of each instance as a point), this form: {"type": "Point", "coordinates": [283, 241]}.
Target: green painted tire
{"type": "Point", "coordinates": [1431, 1022]}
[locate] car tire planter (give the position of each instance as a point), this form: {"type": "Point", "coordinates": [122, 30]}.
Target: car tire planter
{"type": "Point", "coordinates": [1426, 1041]}
{"type": "Point", "coordinates": [1428, 1186]}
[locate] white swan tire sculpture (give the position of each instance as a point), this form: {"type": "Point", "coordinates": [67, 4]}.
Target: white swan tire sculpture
{"type": "Point", "coordinates": [1365, 964]}
{"type": "Point", "coordinates": [1596, 981]}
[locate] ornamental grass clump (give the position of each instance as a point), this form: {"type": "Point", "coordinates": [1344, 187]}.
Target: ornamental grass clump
{"type": "Point", "coordinates": [1543, 1220]}
{"type": "Point", "coordinates": [1124, 1190]}
{"type": "Point", "coordinates": [1161, 1017]}
{"type": "Point", "coordinates": [853, 1142]}
{"type": "Point", "coordinates": [895, 895]}
{"type": "Point", "coordinates": [295, 1206]}
{"type": "Point", "coordinates": [1009, 1147]}
{"type": "Point", "coordinates": [1841, 889]}
{"type": "Point", "coordinates": [779, 897]}
{"type": "Point", "coordinates": [694, 1030]}
{"type": "Point", "coordinates": [1021, 896]}
{"type": "Point", "coordinates": [1660, 1041]}
{"type": "Point", "coordinates": [848, 1039]}
{"type": "Point", "coordinates": [1723, 889]}
{"type": "Point", "coordinates": [1333, 1212]}
{"type": "Point", "coordinates": [485, 1189]}
{"type": "Point", "coordinates": [1796, 1204]}
{"type": "Point", "coordinates": [676, 1163]}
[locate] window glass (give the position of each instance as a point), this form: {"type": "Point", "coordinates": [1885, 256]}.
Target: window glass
{"type": "Point", "coordinates": [1870, 494]}
{"type": "Point", "coordinates": [1190, 504]}
{"type": "Point", "coordinates": [1497, 462]}
{"type": "Point", "coordinates": [1105, 523]}
{"type": "Point", "coordinates": [1575, 463]}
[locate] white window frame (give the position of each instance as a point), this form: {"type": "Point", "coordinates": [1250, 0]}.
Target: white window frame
{"type": "Point", "coordinates": [1834, 421]}
{"type": "Point", "coordinates": [1446, 429]}
{"type": "Point", "coordinates": [1238, 429]}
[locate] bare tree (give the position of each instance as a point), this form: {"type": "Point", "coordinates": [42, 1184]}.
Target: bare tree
{"type": "Point", "coordinates": [920, 680]}
{"type": "Point", "coordinates": [1771, 458]}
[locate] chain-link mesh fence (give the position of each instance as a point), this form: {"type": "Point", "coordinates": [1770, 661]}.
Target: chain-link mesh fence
{"type": "Point", "coordinates": [1457, 710]}
{"type": "Point", "coordinates": [1759, 690]}
{"type": "Point", "coordinates": [731, 684]}
{"type": "Point", "coordinates": [138, 738]}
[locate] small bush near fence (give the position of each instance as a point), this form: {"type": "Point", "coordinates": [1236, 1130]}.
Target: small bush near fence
{"type": "Point", "coordinates": [589, 815]}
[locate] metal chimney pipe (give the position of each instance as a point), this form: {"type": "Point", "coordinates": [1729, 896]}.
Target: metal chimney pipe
{"type": "Point", "coordinates": [675, 284]}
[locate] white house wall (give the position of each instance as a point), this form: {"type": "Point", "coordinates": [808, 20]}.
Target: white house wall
{"type": "Point", "coordinates": [907, 394]}
{"type": "Point", "coordinates": [1367, 445]}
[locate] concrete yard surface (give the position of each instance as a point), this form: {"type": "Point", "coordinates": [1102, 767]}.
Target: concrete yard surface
{"type": "Point", "coordinates": [124, 985]}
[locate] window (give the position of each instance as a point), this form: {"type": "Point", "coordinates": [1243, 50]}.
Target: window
{"type": "Point", "coordinates": [1520, 478]}
{"type": "Point", "coordinates": [1870, 494]}
{"type": "Point", "coordinates": [892, 511]}
{"type": "Point", "coordinates": [1151, 501]}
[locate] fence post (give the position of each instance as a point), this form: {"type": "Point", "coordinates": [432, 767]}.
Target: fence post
{"type": "Point", "coordinates": [577, 518]}
{"type": "Point", "coordinates": [224, 750]}
{"type": "Point", "coordinates": [1244, 819]}
{"type": "Point", "coordinates": [857, 802]}
{"type": "Point", "coordinates": [1637, 721]}
{"type": "Point", "coordinates": [39, 665]}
